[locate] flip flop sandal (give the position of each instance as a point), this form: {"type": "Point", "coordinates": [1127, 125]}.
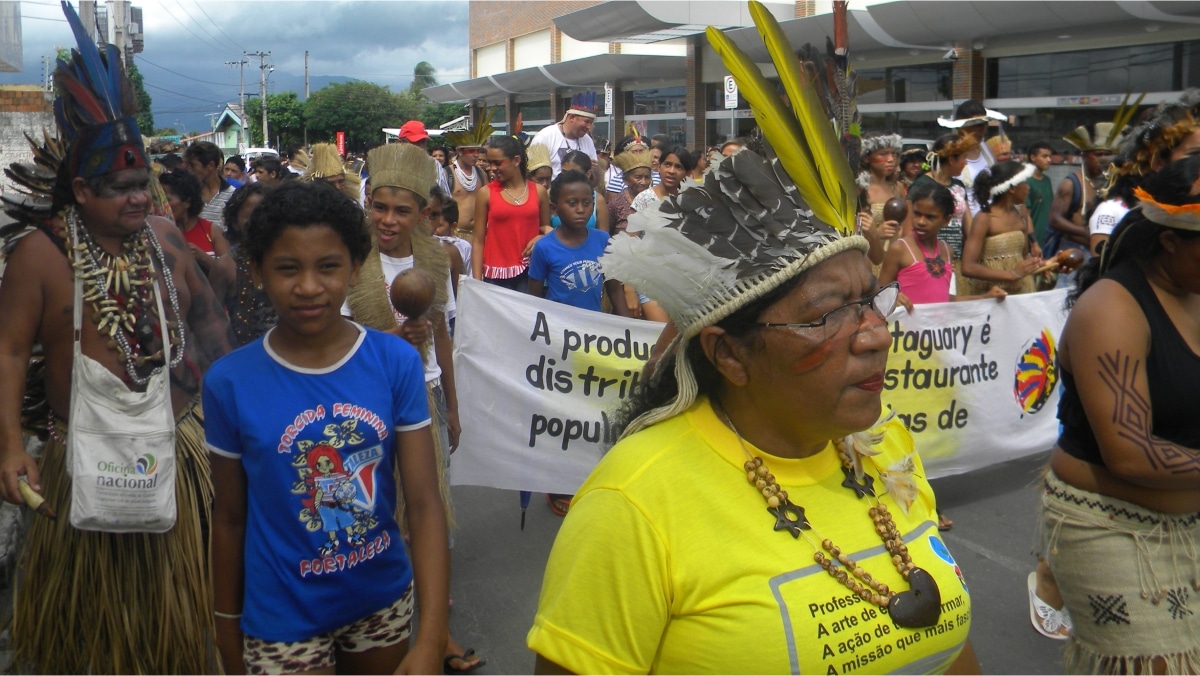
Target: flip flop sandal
{"type": "Point", "coordinates": [558, 505]}
{"type": "Point", "coordinates": [944, 524]}
{"type": "Point", "coordinates": [449, 668]}
{"type": "Point", "coordinates": [1049, 622]}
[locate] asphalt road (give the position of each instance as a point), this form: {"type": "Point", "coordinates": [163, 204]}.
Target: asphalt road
{"type": "Point", "coordinates": [498, 568]}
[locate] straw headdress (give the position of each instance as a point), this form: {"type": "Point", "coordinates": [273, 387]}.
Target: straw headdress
{"type": "Point", "coordinates": [633, 159]}
{"type": "Point", "coordinates": [402, 165]}
{"type": "Point", "coordinates": [326, 162]}
{"type": "Point", "coordinates": [539, 156]}
{"type": "Point", "coordinates": [755, 222]}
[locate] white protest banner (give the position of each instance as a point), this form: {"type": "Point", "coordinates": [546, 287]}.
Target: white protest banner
{"type": "Point", "coordinates": [537, 382]}
{"type": "Point", "coordinates": [976, 382]}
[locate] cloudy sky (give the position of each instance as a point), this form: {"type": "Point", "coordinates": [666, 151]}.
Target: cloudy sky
{"type": "Point", "coordinates": [189, 41]}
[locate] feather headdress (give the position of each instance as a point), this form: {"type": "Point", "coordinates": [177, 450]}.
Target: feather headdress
{"type": "Point", "coordinates": [755, 222]}
{"type": "Point", "coordinates": [96, 109]}
{"type": "Point", "coordinates": [477, 134]}
{"type": "Point", "coordinates": [801, 135]}
{"type": "Point", "coordinates": [1172, 122]}
{"type": "Point", "coordinates": [1105, 135]}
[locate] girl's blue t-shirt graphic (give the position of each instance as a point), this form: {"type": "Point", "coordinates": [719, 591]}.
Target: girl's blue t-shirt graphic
{"type": "Point", "coordinates": [323, 548]}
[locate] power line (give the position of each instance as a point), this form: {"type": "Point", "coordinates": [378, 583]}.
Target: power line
{"type": "Point", "coordinates": [168, 91]}
{"type": "Point", "coordinates": [193, 20]}
{"type": "Point", "coordinates": [142, 59]}
{"type": "Point", "coordinates": [189, 30]}
{"type": "Point", "coordinates": [218, 26]}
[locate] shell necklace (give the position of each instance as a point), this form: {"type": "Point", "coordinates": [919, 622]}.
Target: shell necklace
{"type": "Point", "coordinates": [120, 288]}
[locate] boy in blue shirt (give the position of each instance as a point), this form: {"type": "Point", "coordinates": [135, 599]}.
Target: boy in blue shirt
{"type": "Point", "coordinates": [564, 266]}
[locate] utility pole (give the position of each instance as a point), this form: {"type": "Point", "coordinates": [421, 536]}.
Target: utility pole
{"type": "Point", "coordinates": [245, 140]}
{"type": "Point", "coordinates": [262, 67]}
{"type": "Point", "coordinates": [306, 95]}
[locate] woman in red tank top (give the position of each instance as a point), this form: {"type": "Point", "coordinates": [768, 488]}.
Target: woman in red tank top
{"type": "Point", "coordinates": [183, 196]}
{"type": "Point", "coordinates": [509, 217]}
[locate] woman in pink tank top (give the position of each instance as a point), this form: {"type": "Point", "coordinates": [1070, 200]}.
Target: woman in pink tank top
{"type": "Point", "coordinates": [920, 263]}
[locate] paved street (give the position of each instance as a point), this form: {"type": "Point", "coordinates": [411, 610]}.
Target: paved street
{"type": "Point", "coordinates": [498, 568]}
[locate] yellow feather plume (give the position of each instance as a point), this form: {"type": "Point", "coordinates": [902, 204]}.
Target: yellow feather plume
{"type": "Point", "coordinates": [802, 137]}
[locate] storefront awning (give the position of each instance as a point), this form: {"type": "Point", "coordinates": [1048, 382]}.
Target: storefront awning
{"type": "Point", "coordinates": [582, 74]}
{"type": "Point", "coordinates": [657, 20]}
{"type": "Point", "coordinates": [918, 25]}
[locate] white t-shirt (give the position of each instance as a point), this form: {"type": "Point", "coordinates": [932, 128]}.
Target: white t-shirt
{"type": "Point", "coordinates": [552, 138]}
{"type": "Point", "coordinates": [974, 168]}
{"type": "Point", "coordinates": [391, 268]}
{"type": "Point", "coordinates": [1106, 216]}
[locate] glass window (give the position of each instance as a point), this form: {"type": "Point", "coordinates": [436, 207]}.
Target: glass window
{"type": "Point", "coordinates": [1140, 68]}
{"type": "Point", "coordinates": [498, 114]}
{"type": "Point", "coordinates": [654, 101]}
{"type": "Point", "coordinates": [906, 84]}
{"type": "Point", "coordinates": [535, 110]}
{"type": "Point", "coordinates": [675, 130]}
{"type": "Point", "coordinates": [714, 97]}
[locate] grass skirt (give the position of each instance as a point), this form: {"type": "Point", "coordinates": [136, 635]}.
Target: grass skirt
{"type": "Point", "coordinates": [90, 602]}
{"type": "Point", "coordinates": [1129, 576]}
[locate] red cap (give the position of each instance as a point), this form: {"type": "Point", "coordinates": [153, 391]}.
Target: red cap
{"type": "Point", "coordinates": [413, 131]}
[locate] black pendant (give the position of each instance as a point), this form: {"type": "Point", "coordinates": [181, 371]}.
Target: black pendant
{"type": "Point", "coordinates": [789, 517]}
{"type": "Point", "coordinates": [864, 487]}
{"type": "Point", "coordinates": [919, 607]}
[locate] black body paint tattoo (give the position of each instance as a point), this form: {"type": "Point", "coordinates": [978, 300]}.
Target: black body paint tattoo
{"type": "Point", "coordinates": [1133, 418]}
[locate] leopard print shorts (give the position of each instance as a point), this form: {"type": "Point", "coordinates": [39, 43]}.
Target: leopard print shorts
{"type": "Point", "coordinates": [377, 630]}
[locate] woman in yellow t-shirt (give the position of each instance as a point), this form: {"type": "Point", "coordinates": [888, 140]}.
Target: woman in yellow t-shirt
{"type": "Point", "coordinates": [759, 514]}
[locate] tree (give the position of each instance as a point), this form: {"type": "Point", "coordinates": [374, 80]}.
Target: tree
{"type": "Point", "coordinates": [285, 119]}
{"type": "Point", "coordinates": [360, 109]}
{"type": "Point", "coordinates": [423, 76]}
{"type": "Point", "coordinates": [166, 131]}
{"type": "Point", "coordinates": [145, 117]}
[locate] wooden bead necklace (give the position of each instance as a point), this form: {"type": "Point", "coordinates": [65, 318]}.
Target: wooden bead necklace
{"type": "Point", "coordinates": [918, 607]}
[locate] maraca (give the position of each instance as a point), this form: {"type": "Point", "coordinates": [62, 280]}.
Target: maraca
{"type": "Point", "coordinates": [1069, 259]}
{"type": "Point", "coordinates": [412, 293]}
{"type": "Point", "coordinates": [895, 209]}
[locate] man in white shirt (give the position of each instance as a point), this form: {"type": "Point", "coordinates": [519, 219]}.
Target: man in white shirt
{"type": "Point", "coordinates": [572, 133]}
{"type": "Point", "coordinates": [972, 119]}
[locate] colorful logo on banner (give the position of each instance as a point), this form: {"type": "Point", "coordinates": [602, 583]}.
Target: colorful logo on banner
{"type": "Point", "coordinates": [1036, 373]}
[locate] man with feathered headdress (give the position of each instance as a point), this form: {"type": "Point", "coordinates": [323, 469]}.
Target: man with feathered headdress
{"type": "Point", "coordinates": [1078, 194]}
{"type": "Point", "coordinates": [570, 133]}
{"type": "Point", "coordinates": [126, 326]}
{"type": "Point", "coordinates": [464, 176]}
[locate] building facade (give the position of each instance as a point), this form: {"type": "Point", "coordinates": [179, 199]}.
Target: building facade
{"type": "Point", "coordinates": [1050, 66]}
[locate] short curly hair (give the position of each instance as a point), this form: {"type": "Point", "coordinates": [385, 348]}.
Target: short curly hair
{"type": "Point", "coordinates": [186, 187]}
{"type": "Point", "coordinates": [300, 204]}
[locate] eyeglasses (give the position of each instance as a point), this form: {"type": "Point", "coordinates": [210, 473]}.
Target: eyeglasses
{"type": "Point", "coordinates": [882, 302]}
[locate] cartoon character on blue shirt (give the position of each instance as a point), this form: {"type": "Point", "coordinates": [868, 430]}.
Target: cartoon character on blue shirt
{"type": "Point", "coordinates": [331, 498]}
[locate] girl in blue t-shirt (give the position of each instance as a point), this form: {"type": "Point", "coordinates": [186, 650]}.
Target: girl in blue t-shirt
{"type": "Point", "coordinates": [308, 428]}
{"type": "Point", "coordinates": [564, 266]}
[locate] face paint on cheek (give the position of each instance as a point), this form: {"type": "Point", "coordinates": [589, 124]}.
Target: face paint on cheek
{"type": "Point", "coordinates": [811, 360]}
